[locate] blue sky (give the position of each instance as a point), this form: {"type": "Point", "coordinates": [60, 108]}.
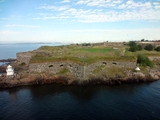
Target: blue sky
{"type": "Point", "coordinates": [78, 21]}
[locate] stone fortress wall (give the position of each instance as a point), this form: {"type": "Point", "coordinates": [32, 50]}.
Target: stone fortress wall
{"type": "Point", "coordinates": [77, 70]}
{"type": "Point", "coordinates": [24, 57]}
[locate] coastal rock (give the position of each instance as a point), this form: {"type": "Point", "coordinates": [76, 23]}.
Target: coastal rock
{"type": "Point", "coordinates": [33, 79]}
{"type": "Point", "coordinates": [68, 73]}
{"type": "Point", "coordinates": [2, 69]}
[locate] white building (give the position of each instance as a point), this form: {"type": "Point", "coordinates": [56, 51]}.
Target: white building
{"type": "Point", "coordinates": [10, 70]}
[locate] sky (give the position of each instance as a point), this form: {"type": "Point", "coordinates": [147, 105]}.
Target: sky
{"type": "Point", "coordinates": [79, 21]}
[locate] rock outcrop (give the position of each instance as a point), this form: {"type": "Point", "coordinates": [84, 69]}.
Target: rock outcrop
{"type": "Point", "coordinates": [68, 79]}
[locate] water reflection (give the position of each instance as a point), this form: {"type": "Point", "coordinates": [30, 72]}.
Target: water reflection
{"type": "Point", "coordinates": [127, 101]}
{"type": "Point", "coordinates": [81, 92]}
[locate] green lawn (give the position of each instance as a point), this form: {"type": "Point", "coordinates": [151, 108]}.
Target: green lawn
{"type": "Point", "coordinates": [88, 54]}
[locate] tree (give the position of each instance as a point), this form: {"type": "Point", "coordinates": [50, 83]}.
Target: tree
{"type": "Point", "coordinates": [132, 43]}
{"type": "Point", "coordinates": [144, 61]}
{"type": "Point", "coordinates": [157, 48]}
{"type": "Point", "coordinates": [133, 48]}
{"type": "Point", "coordinates": [149, 47]}
{"type": "Point", "coordinates": [139, 47]}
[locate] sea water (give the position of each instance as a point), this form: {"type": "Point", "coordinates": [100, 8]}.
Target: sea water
{"type": "Point", "coordinates": [10, 50]}
{"type": "Point", "coordinates": [139, 101]}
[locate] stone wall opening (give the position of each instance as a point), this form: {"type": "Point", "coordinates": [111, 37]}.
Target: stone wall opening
{"type": "Point", "coordinates": [50, 66]}
{"type": "Point", "coordinates": [61, 66]}
{"type": "Point", "coordinates": [114, 63]}
{"type": "Point", "coordinates": [104, 63]}
{"type": "Point", "coordinates": [70, 66]}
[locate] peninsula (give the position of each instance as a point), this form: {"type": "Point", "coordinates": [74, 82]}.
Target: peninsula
{"type": "Point", "coordinates": [107, 63]}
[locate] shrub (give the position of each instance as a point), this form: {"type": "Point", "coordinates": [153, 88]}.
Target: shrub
{"type": "Point", "coordinates": [149, 47]}
{"type": "Point", "coordinates": [157, 48]}
{"type": "Point", "coordinates": [139, 47]}
{"type": "Point", "coordinates": [132, 43]}
{"type": "Point", "coordinates": [22, 64]}
{"type": "Point", "coordinates": [133, 48]}
{"type": "Point", "coordinates": [63, 71]}
{"type": "Point", "coordinates": [144, 61]}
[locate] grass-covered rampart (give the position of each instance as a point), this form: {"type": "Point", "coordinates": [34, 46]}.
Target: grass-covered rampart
{"type": "Point", "coordinates": [89, 54]}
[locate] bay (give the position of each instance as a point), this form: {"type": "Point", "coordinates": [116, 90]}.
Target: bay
{"type": "Point", "coordinates": [10, 50]}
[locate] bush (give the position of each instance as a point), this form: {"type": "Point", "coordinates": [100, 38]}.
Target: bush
{"type": "Point", "coordinates": [22, 64]}
{"type": "Point", "coordinates": [149, 47]}
{"type": "Point", "coordinates": [144, 61]}
{"type": "Point", "coordinates": [139, 47]}
{"type": "Point", "coordinates": [133, 48]}
{"type": "Point", "coordinates": [157, 48]}
{"type": "Point", "coordinates": [132, 43]}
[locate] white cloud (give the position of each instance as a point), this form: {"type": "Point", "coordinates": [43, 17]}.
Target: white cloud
{"type": "Point", "coordinates": [66, 1]}
{"type": "Point", "coordinates": [83, 1]}
{"type": "Point", "coordinates": [37, 18]}
{"type": "Point", "coordinates": [132, 5]}
{"type": "Point", "coordinates": [156, 5]}
{"type": "Point", "coordinates": [117, 1]}
{"type": "Point", "coordinates": [111, 16]}
{"type": "Point", "coordinates": [47, 7]}
{"type": "Point", "coordinates": [52, 7]}
{"type": "Point", "coordinates": [104, 11]}
{"type": "Point", "coordinates": [82, 35]}
{"type": "Point", "coordinates": [5, 32]}
{"type": "Point", "coordinates": [26, 26]}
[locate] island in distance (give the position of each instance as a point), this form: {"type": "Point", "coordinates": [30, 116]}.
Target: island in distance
{"type": "Point", "coordinates": [107, 63]}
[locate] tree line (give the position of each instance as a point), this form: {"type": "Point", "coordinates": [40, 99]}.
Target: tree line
{"type": "Point", "coordinates": [134, 47]}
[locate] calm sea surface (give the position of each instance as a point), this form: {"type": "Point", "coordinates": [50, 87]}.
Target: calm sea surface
{"type": "Point", "coordinates": [139, 101]}
{"type": "Point", "coordinates": [10, 50]}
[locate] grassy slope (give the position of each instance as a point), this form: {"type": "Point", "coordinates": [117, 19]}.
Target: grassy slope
{"type": "Point", "coordinates": [88, 55]}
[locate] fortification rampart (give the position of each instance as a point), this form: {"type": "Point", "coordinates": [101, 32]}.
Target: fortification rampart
{"type": "Point", "coordinates": [79, 71]}
{"type": "Point", "coordinates": [24, 57]}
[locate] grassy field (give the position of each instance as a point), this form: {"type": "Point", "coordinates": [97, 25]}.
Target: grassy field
{"type": "Point", "coordinates": [89, 54]}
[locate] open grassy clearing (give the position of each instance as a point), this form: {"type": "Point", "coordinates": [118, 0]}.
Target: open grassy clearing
{"type": "Point", "coordinates": [89, 54]}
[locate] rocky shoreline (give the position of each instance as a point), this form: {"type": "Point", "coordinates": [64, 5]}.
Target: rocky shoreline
{"type": "Point", "coordinates": [69, 73]}
{"type": "Point", "coordinates": [68, 79]}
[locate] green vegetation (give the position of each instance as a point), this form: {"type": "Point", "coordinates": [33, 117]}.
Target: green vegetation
{"type": "Point", "coordinates": [134, 47]}
{"type": "Point", "coordinates": [86, 44]}
{"type": "Point", "coordinates": [139, 47]}
{"type": "Point", "coordinates": [132, 43]}
{"type": "Point", "coordinates": [144, 61]}
{"type": "Point", "coordinates": [149, 47]}
{"type": "Point", "coordinates": [63, 71]}
{"type": "Point", "coordinates": [157, 48]}
{"type": "Point", "coordinates": [89, 54]}
{"type": "Point", "coordinates": [111, 71]}
{"type": "Point", "coordinates": [22, 64]}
